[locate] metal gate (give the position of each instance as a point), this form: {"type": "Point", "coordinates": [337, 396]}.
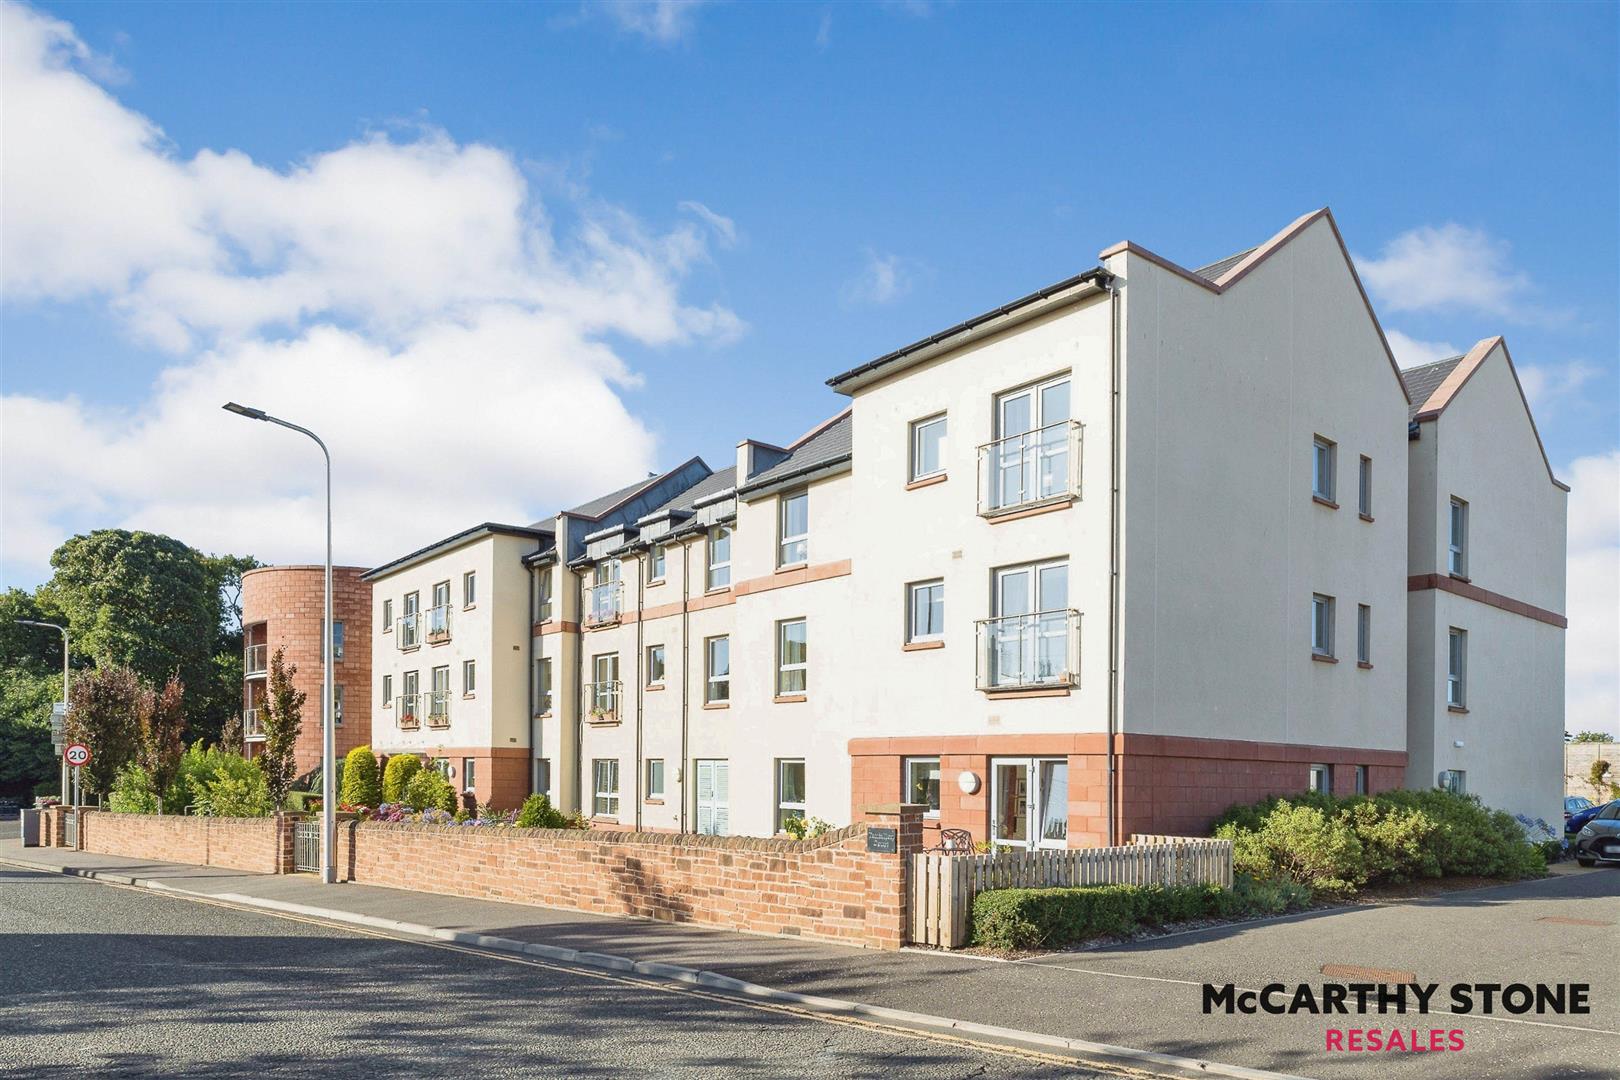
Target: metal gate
{"type": "Point", "coordinates": [70, 830]}
{"type": "Point", "coordinates": [307, 845]}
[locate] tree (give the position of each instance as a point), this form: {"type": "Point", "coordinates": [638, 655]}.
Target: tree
{"type": "Point", "coordinates": [103, 713]}
{"type": "Point", "coordinates": [30, 680]}
{"type": "Point", "coordinates": [161, 729]}
{"type": "Point", "coordinates": [362, 784]}
{"type": "Point", "coordinates": [283, 712]}
{"type": "Point", "coordinates": [1593, 736]}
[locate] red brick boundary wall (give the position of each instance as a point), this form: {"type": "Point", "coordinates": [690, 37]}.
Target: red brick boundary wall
{"type": "Point", "coordinates": [259, 845]}
{"type": "Point", "coordinates": [830, 888]}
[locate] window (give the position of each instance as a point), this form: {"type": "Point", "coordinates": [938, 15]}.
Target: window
{"type": "Point", "coordinates": [542, 775]}
{"type": "Point", "coordinates": [441, 766]}
{"type": "Point", "coordinates": [919, 780]}
{"type": "Point", "coordinates": [337, 704]}
{"type": "Point", "coordinates": [1324, 460]}
{"type": "Point", "coordinates": [1361, 779]}
{"type": "Point", "coordinates": [410, 622]}
{"type": "Point", "coordinates": [1364, 634]}
{"type": "Point", "coordinates": [469, 589]}
{"type": "Point", "coordinates": [712, 797]}
{"type": "Point", "coordinates": [1322, 625]}
{"type": "Point", "coordinates": [793, 528]}
{"type": "Point", "coordinates": [719, 557]}
{"type": "Point", "coordinates": [1454, 781]}
{"type": "Point", "coordinates": [655, 665]}
{"type": "Point", "coordinates": [1457, 669]}
{"type": "Point", "coordinates": [469, 677]}
{"type": "Point", "coordinates": [1032, 637]}
{"type": "Point", "coordinates": [717, 669]}
{"type": "Point", "coordinates": [792, 657]}
{"type": "Point", "coordinates": [1364, 487]}
{"type": "Point", "coordinates": [607, 571]}
{"type": "Point", "coordinates": [658, 563]}
{"type": "Point", "coordinates": [1032, 458]}
{"type": "Point", "coordinates": [789, 792]}
{"type": "Point", "coordinates": [604, 689]}
{"type": "Point", "coordinates": [1322, 779]}
{"type": "Point", "coordinates": [542, 607]}
{"type": "Point", "coordinates": [655, 778]}
{"type": "Point", "coordinates": [928, 447]}
{"type": "Point", "coordinates": [469, 773]}
{"type": "Point", "coordinates": [438, 616]}
{"type": "Point", "coordinates": [410, 682]}
{"type": "Point", "coordinates": [925, 611]}
{"type": "Point", "coordinates": [337, 640]}
{"type": "Point", "coordinates": [542, 686]}
{"type": "Point", "coordinates": [605, 777]}
{"type": "Point", "coordinates": [387, 691]}
{"type": "Point", "coordinates": [388, 617]}
{"type": "Point", "coordinates": [1457, 556]}
{"type": "Point", "coordinates": [439, 701]}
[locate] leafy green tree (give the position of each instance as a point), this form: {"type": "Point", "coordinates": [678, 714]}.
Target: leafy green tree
{"type": "Point", "coordinates": [30, 681]}
{"type": "Point", "coordinates": [104, 709]}
{"type": "Point", "coordinates": [362, 784]}
{"type": "Point", "coordinates": [1593, 736]}
{"type": "Point", "coordinates": [396, 774]}
{"type": "Point", "coordinates": [283, 719]}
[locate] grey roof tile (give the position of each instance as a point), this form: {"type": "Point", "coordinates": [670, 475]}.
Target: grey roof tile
{"type": "Point", "coordinates": [711, 484]}
{"type": "Point", "coordinates": [832, 442]}
{"type": "Point", "coordinates": [1422, 381]}
{"type": "Point", "coordinates": [1215, 269]}
{"type": "Point", "coordinates": [602, 504]}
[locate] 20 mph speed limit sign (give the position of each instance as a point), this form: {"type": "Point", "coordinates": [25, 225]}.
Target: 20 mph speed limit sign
{"type": "Point", "coordinates": [76, 754]}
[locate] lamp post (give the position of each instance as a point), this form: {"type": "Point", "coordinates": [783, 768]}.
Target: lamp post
{"type": "Point", "coordinates": [328, 751]}
{"type": "Point", "coordinates": [64, 630]}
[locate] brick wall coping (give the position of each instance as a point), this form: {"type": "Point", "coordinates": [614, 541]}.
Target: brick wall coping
{"type": "Point", "coordinates": [304, 566]}
{"type": "Point", "coordinates": [181, 817]}
{"type": "Point", "coordinates": [609, 837]}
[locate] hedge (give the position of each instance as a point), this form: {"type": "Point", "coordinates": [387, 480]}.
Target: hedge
{"type": "Point", "coordinates": [1053, 918]}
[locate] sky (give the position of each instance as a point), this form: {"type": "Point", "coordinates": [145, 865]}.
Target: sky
{"type": "Point", "coordinates": [507, 257]}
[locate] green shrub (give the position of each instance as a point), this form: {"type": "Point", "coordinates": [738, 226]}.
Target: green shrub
{"type": "Point", "coordinates": [132, 792]}
{"type": "Point", "coordinates": [1302, 844]}
{"type": "Point", "coordinates": [396, 774]}
{"type": "Point", "coordinates": [428, 790]}
{"type": "Point", "coordinates": [198, 768]}
{"type": "Point", "coordinates": [362, 784]}
{"type": "Point", "coordinates": [236, 796]}
{"type": "Point", "coordinates": [538, 813]}
{"type": "Point", "coordinates": [1053, 918]}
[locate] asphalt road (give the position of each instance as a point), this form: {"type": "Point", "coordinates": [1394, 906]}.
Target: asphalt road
{"type": "Point", "coordinates": [97, 980]}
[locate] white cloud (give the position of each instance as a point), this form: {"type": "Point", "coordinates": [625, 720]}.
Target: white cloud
{"type": "Point", "coordinates": [407, 299]}
{"type": "Point", "coordinates": [1448, 268]}
{"type": "Point", "coordinates": [1410, 352]}
{"type": "Point", "coordinates": [1548, 385]}
{"type": "Point", "coordinates": [661, 21]}
{"type": "Point", "coordinates": [725, 229]}
{"type": "Point", "coordinates": [1592, 660]}
{"type": "Point", "coordinates": [882, 280]}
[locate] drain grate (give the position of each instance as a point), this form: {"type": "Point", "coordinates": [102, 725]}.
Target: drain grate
{"type": "Point", "coordinates": [1367, 974]}
{"type": "Point", "coordinates": [1565, 920]}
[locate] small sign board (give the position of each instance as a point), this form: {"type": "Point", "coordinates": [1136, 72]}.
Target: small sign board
{"type": "Point", "coordinates": [58, 724]}
{"type": "Point", "coordinates": [76, 754]}
{"type": "Point", "coordinates": [883, 841]}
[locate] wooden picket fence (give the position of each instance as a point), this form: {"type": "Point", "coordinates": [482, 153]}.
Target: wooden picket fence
{"type": "Point", "coordinates": [943, 886]}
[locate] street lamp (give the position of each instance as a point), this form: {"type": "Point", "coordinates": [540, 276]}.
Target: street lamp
{"type": "Point", "coordinates": [64, 630]}
{"type": "Point", "coordinates": [328, 751]}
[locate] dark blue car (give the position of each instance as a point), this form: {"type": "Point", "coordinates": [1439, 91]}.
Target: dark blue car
{"type": "Point", "coordinates": [1573, 823]}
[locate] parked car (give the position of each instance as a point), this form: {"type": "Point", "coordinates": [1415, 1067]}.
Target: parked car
{"type": "Point", "coordinates": [1574, 804]}
{"type": "Point", "coordinates": [1599, 839]}
{"type": "Point", "coordinates": [1573, 823]}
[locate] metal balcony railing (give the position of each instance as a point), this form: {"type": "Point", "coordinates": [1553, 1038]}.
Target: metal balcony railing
{"type": "Point", "coordinates": [438, 623]}
{"type": "Point", "coordinates": [1029, 651]}
{"type": "Point", "coordinates": [253, 725]}
{"type": "Point", "coordinates": [408, 631]}
{"type": "Point", "coordinates": [438, 708]}
{"type": "Point", "coordinates": [603, 604]}
{"type": "Point", "coordinates": [255, 660]}
{"type": "Point", "coordinates": [405, 711]}
{"type": "Point", "coordinates": [1029, 469]}
{"type": "Point", "coordinates": [602, 700]}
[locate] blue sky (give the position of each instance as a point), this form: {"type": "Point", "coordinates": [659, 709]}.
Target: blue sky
{"type": "Point", "coordinates": [799, 187]}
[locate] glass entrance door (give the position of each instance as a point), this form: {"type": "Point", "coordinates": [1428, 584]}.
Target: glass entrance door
{"type": "Point", "coordinates": [1029, 802]}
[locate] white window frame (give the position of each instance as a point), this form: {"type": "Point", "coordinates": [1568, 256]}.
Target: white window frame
{"type": "Point", "coordinates": [1364, 481]}
{"type": "Point", "coordinates": [1457, 537]}
{"type": "Point", "coordinates": [1324, 468]}
{"type": "Point", "coordinates": [388, 691]}
{"type": "Point", "coordinates": [1321, 779]}
{"type": "Point", "coordinates": [469, 589]}
{"type": "Point", "coordinates": [658, 678]}
{"type": "Point", "coordinates": [542, 686]}
{"type": "Point", "coordinates": [784, 808]}
{"type": "Point", "coordinates": [792, 549]}
{"type": "Point", "coordinates": [784, 669]}
{"type": "Point", "coordinates": [718, 572]}
{"type": "Point", "coordinates": [1455, 780]}
{"type": "Point", "coordinates": [918, 428]}
{"type": "Point", "coordinates": [1323, 617]}
{"type": "Point", "coordinates": [388, 616]}
{"type": "Point", "coordinates": [469, 773]}
{"type": "Point", "coordinates": [605, 788]}
{"type": "Point", "coordinates": [469, 678]}
{"type": "Point", "coordinates": [657, 563]}
{"type": "Point", "coordinates": [712, 680]}
{"type": "Point", "coordinates": [906, 789]}
{"type": "Point", "coordinates": [543, 602]}
{"type": "Point", "coordinates": [912, 634]}
{"type": "Point", "coordinates": [1361, 780]}
{"type": "Point", "coordinates": [1456, 668]}
{"type": "Point", "coordinates": [1364, 634]}
{"type": "Point", "coordinates": [337, 704]}
{"type": "Point", "coordinates": [655, 778]}
{"type": "Point", "coordinates": [542, 775]}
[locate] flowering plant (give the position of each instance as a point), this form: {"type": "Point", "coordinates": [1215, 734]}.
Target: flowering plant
{"type": "Point", "coordinates": [45, 802]}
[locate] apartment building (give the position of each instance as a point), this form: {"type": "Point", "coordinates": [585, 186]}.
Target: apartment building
{"type": "Point", "coordinates": [1101, 561]}
{"type": "Point", "coordinates": [282, 609]}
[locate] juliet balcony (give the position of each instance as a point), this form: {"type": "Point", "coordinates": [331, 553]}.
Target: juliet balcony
{"type": "Point", "coordinates": [438, 624]}
{"type": "Point", "coordinates": [1032, 469]}
{"type": "Point", "coordinates": [255, 661]}
{"type": "Point", "coordinates": [1029, 652]}
{"type": "Point", "coordinates": [604, 604]}
{"type": "Point", "coordinates": [407, 714]}
{"type": "Point", "coordinates": [602, 701]}
{"type": "Point", "coordinates": [253, 725]}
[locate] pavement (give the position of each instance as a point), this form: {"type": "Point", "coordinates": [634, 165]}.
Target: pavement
{"type": "Point", "coordinates": [1147, 996]}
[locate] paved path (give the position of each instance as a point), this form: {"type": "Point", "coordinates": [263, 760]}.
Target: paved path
{"type": "Point", "coordinates": [1146, 996]}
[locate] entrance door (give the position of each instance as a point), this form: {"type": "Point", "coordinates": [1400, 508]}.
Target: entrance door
{"type": "Point", "coordinates": [713, 797]}
{"type": "Point", "coordinates": [1029, 802]}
